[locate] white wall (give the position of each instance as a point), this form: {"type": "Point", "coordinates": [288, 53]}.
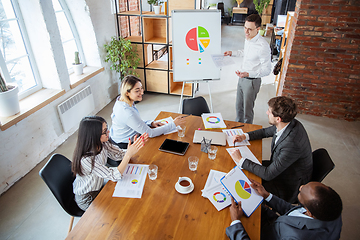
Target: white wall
{"type": "Point", "coordinates": [28, 142]}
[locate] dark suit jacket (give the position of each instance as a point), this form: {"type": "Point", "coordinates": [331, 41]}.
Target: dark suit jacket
{"type": "Point", "coordinates": [290, 163]}
{"type": "Point", "coordinates": [289, 227]}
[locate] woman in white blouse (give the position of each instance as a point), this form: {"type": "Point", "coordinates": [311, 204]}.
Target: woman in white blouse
{"type": "Point", "coordinates": [126, 120]}
{"type": "Point", "coordinates": [90, 156]}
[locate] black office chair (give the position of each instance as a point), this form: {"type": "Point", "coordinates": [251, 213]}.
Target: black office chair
{"type": "Point", "coordinates": [59, 178]}
{"type": "Point", "coordinates": [195, 106]}
{"type": "Point", "coordinates": [220, 6]}
{"type": "Point", "coordinates": [322, 164]}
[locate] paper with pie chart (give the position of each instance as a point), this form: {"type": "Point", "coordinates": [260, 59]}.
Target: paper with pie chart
{"type": "Point", "coordinates": [218, 196]}
{"type": "Point", "coordinates": [239, 186]}
{"type": "Point", "coordinates": [213, 120]}
{"type": "Point", "coordinates": [132, 183]}
{"type": "Point", "coordinates": [165, 121]}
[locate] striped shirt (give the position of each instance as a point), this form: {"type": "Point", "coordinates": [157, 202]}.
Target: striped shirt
{"type": "Point", "coordinates": [93, 179]}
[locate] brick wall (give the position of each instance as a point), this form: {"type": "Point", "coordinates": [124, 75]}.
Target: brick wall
{"type": "Point", "coordinates": [322, 64]}
{"type": "Point", "coordinates": [124, 20]}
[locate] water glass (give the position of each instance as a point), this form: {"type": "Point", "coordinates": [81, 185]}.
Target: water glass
{"type": "Point", "coordinates": [193, 163]}
{"type": "Point", "coordinates": [181, 130]}
{"type": "Point", "coordinates": [152, 171]}
{"type": "Point", "coordinates": [212, 150]}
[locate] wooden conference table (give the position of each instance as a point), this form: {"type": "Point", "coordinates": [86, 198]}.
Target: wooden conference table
{"type": "Point", "coordinates": [162, 212]}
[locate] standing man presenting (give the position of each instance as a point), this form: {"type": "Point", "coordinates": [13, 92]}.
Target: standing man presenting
{"type": "Point", "coordinates": [256, 64]}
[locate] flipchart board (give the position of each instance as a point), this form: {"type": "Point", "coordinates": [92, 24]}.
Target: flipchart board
{"type": "Point", "coordinates": [196, 36]}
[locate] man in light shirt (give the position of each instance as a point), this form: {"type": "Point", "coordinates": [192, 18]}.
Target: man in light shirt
{"type": "Point", "coordinates": [256, 64]}
{"type": "Point", "coordinates": [317, 217]}
{"type": "Point", "coordinates": [291, 163]}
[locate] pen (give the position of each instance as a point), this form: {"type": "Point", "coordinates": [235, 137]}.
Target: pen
{"type": "Point", "coordinates": [238, 126]}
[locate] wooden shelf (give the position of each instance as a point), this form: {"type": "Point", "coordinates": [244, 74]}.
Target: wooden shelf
{"type": "Point", "coordinates": [176, 87]}
{"type": "Point", "coordinates": [155, 30]}
{"type": "Point", "coordinates": [156, 81]}
{"type": "Point", "coordinates": [135, 13]}
{"type": "Point", "coordinates": [134, 39]}
{"type": "Point", "coordinates": [158, 65]}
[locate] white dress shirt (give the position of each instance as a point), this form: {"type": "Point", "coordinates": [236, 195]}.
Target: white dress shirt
{"type": "Point", "coordinates": [257, 57]}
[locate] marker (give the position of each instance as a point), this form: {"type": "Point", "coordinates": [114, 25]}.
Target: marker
{"type": "Point", "coordinates": [238, 126]}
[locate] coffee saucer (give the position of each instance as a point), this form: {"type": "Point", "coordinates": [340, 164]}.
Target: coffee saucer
{"type": "Point", "coordinates": [178, 187]}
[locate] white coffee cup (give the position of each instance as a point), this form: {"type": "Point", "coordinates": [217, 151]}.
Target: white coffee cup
{"type": "Point", "coordinates": [184, 184]}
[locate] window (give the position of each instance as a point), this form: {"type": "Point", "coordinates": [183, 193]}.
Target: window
{"type": "Point", "coordinates": [16, 59]}
{"type": "Point", "coordinates": [69, 36]}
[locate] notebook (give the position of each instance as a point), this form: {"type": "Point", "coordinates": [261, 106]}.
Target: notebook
{"type": "Point", "coordinates": [217, 138]}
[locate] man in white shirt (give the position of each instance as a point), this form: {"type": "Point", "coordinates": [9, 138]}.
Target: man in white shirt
{"type": "Point", "coordinates": [318, 216]}
{"type": "Point", "coordinates": [256, 64]}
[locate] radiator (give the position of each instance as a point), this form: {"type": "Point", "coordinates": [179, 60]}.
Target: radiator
{"type": "Point", "coordinates": [72, 110]}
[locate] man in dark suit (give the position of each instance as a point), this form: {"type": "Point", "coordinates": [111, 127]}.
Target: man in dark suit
{"type": "Point", "coordinates": [290, 164]}
{"type": "Point", "coordinates": [318, 216]}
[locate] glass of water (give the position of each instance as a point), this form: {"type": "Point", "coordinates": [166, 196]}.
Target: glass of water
{"type": "Point", "coordinates": [153, 169]}
{"type": "Point", "coordinates": [212, 150]}
{"type": "Point", "coordinates": [181, 130]}
{"type": "Point", "coordinates": [193, 163]}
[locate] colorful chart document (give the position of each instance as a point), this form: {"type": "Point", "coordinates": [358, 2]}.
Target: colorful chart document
{"type": "Point", "coordinates": [245, 153]}
{"type": "Point", "coordinates": [167, 121]}
{"type": "Point", "coordinates": [238, 185]}
{"type": "Point", "coordinates": [213, 120]}
{"type": "Point", "coordinates": [132, 183]}
{"type": "Point", "coordinates": [230, 133]}
{"type": "Point", "coordinates": [218, 196]}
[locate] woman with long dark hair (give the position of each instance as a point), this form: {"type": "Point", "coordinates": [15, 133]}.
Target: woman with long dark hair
{"type": "Point", "coordinates": [90, 156]}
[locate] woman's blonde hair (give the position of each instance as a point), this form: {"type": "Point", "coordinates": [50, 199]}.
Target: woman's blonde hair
{"type": "Point", "coordinates": [127, 84]}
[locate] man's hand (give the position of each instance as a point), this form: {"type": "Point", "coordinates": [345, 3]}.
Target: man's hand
{"type": "Point", "coordinates": [235, 210]}
{"type": "Point", "coordinates": [228, 53]}
{"type": "Point", "coordinates": [241, 74]}
{"type": "Point", "coordinates": [239, 138]}
{"type": "Point", "coordinates": [156, 124]}
{"type": "Point", "coordinates": [236, 155]}
{"type": "Point", "coordinates": [259, 188]}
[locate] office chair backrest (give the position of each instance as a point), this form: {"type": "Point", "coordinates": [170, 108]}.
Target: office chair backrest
{"type": "Point", "coordinates": [220, 6]}
{"type": "Point", "coordinates": [322, 164]}
{"type": "Point", "coordinates": [59, 178]}
{"type": "Point", "coordinates": [195, 106]}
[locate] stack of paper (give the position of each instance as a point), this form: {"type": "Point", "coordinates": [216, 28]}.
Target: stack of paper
{"type": "Point", "coordinates": [213, 120]}
{"type": "Point", "coordinates": [245, 153]}
{"type": "Point", "coordinates": [215, 192]}
{"type": "Point", "coordinates": [132, 183]}
{"type": "Point", "coordinates": [230, 133]}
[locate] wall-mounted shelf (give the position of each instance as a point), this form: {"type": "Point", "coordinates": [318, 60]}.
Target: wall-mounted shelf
{"type": "Point", "coordinates": [151, 33]}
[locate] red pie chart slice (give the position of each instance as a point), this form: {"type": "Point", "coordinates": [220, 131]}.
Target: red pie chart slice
{"type": "Point", "coordinates": [191, 40]}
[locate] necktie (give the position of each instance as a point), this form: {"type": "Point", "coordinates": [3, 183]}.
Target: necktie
{"type": "Point", "coordinates": [273, 142]}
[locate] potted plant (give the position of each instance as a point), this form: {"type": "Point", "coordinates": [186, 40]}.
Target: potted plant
{"type": "Point", "coordinates": [122, 55]}
{"type": "Point", "coordinates": [156, 5]}
{"type": "Point", "coordinates": [260, 5]}
{"type": "Point", "coordinates": [9, 100]}
{"type": "Point", "coordinates": [77, 65]}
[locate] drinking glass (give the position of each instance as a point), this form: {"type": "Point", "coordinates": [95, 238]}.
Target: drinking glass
{"type": "Point", "coordinates": [153, 169]}
{"type": "Point", "coordinates": [193, 163]}
{"type": "Point", "coordinates": [212, 150]}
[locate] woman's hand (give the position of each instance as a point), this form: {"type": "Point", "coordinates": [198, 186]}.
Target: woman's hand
{"type": "Point", "coordinates": [139, 142]}
{"type": "Point", "coordinates": [239, 138]}
{"type": "Point", "coordinates": [180, 120]}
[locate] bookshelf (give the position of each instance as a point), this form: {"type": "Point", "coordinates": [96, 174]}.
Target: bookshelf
{"type": "Point", "coordinates": [151, 34]}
